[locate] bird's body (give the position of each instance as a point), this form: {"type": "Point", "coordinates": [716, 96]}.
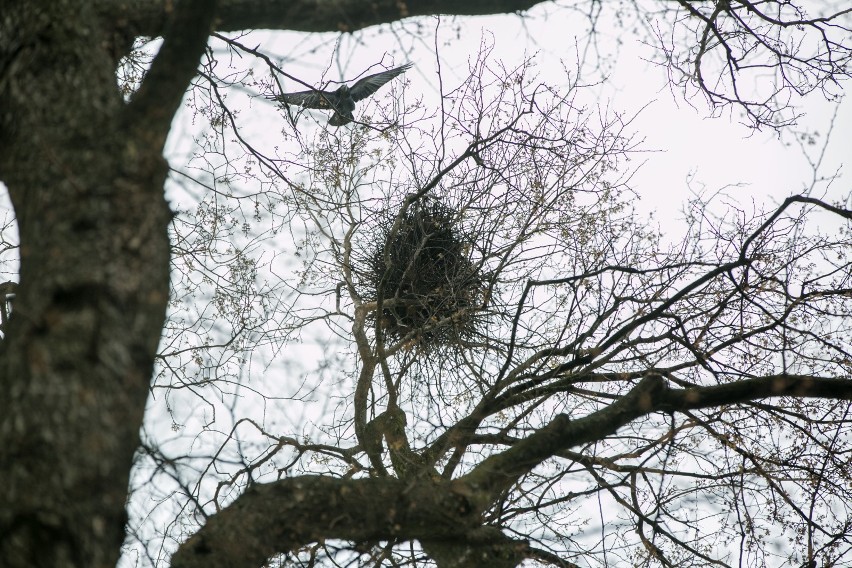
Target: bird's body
{"type": "Point", "coordinates": [342, 100]}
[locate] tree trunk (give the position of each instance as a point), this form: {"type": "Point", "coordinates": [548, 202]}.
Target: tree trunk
{"type": "Point", "coordinates": [85, 173]}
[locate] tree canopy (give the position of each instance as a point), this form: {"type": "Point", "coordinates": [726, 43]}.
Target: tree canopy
{"type": "Point", "coordinates": [441, 335]}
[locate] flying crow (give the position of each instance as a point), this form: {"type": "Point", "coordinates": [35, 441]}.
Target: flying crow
{"type": "Point", "coordinates": [342, 101]}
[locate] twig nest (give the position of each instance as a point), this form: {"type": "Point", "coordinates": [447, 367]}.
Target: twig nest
{"type": "Point", "coordinates": [421, 271]}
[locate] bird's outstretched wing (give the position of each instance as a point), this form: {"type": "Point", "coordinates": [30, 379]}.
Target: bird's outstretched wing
{"type": "Point", "coordinates": [370, 84]}
{"type": "Point", "coordinates": [309, 99]}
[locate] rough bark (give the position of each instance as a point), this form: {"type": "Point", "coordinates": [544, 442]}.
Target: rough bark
{"type": "Point", "coordinates": [283, 516]}
{"type": "Point", "coordinates": [147, 17]}
{"type": "Point", "coordinates": [85, 173]}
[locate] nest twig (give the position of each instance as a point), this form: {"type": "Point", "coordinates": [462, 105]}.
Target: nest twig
{"type": "Point", "coordinates": [430, 288]}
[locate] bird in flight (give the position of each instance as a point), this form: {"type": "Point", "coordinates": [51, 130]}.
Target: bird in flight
{"type": "Point", "coordinates": [342, 101]}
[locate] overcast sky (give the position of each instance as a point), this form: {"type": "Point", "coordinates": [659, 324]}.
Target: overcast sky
{"type": "Point", "coordinates": [682, 140]}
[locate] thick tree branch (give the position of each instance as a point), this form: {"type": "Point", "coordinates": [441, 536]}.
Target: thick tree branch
{"type": "Point", "coordinates": [94, 281]}
{"type": "Point", "coordinates": [307, 15]}
{"type": "Point", "coordinates": [747, 390]}
{"type": "Point", "coordinates": [291, 513]}
{"type": "Point", "coordinates": [155, 103]}
{"type": "Point", "coordinates": [500, 471]}
{"type": "Point", "coordinates": [286, 515]}
{"type": "Point", "coordinates": [283, 516]}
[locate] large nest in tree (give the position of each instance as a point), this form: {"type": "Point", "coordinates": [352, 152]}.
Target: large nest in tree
{"type": "Point", "coordinates": [421, 270]}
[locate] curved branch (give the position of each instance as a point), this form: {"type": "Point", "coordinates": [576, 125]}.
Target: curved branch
{"type": "Point", "coordinates": [282, 516]}
{"type": "Point", "coordinates": [153, 107]}
{"type": "Point", "coordinates": [312, 15]}
{"type": "Point", "coordinates": [499, 472]}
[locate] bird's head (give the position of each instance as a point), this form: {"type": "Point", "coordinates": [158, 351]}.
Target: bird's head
{"type": "Point", "coordinates": [342, 91]}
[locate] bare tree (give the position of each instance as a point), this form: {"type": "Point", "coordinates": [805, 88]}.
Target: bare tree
{"type": "Point", "coordinates": [760, 58]}
{"type": "Point", "coordinates": [493, 313]}
{"type": "Point", "coordinates": [569, 360]}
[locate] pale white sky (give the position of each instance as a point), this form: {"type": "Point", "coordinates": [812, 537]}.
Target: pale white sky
{"type": "Point", "coordinates": [681, 140]}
